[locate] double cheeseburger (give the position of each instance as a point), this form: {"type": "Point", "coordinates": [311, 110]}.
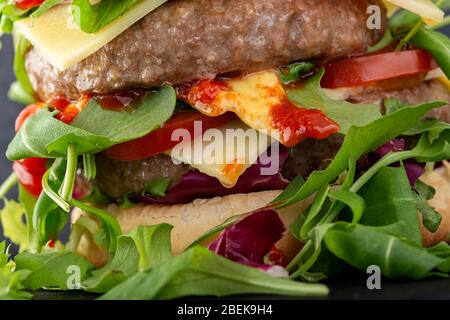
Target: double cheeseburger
{"type": "Point", "coordinates": [303, 74]}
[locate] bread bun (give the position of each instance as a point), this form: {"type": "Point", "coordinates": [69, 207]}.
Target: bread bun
{"type": "Point", "coordinates": [440, 180]}
{"type": "Point", "coordinates": [191, 220]}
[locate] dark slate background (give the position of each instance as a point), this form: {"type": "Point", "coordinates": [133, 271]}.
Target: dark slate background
{"type": "Point", "coordinates": [8, 110]}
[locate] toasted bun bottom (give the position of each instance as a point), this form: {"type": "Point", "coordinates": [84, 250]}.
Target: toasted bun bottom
{"type": "Point", "coordinates": [191, 220]}
{"type": "Point", "coordinates": [440, 180]}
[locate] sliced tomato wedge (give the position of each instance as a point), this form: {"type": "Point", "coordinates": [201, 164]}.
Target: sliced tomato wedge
{"type": "Point", "coordinates": [370, 69]}
{"type": "Point", "coordinates": [28, 4]}
{"type": "Point", "coordinates": [30, 172]}
{"type": "Point", "coordinates": [161, 140]}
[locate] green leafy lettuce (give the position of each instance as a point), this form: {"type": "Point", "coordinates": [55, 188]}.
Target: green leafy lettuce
{"type": "Point", "coordinates": [52, 270]}
{"type": "Point", "coordinates": [199, 272]}
{"type": "Point", "coordinates": [11, 283]}
{"type": "Point", "coordinates": [93, 130]}
{"type": "Point", "coordinates": [359, 141]}
{"type": "Point", "coordinates": [93, 17]}
{"type": "Point", "coordinates": [310, 95]}
{"type": "Point", "coordinates": [14, 228]}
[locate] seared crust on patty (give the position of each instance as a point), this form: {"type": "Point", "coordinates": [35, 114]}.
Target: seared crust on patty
{"type": "Point", "coordinates": [117, 178]}
{"type": "Point", "coordinates": [186, 40]}
{"type": "Point", "coordinates": [427, 91]}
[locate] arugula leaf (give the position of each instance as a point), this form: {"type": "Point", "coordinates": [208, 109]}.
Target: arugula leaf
{"type": "Point", "coordinates": [11, 219]}
{"type": "Point", "coordinates": [294, 71]}
{"type": "Point", "coordinates": [11, 287]}
{"type": "Point", "coordinates": [346, 114]}
{"type": "Point", "coordinates": [437, 150]}
{"type": "Point", "coordinates": [89, 166]}
{"type": "Point", "coordinates": [93, 130]}
{"type": "Point", "coordinates": [389, 199]}
{"type": "Point", "coordinates": [123, 265]}
{"type": "Point", "coordinates": [433, 126]}
{"type": "Point", "coordinates": [384, 42]}
{"type": "Point", "coordinates": [41, 129]}
{"type": "Point", "coordinates": [199, 272]}
{"type": "Point", "coordinates": [17, 93]}
{"type": "Point", "coordinates": [44, 7]}
{"type": "Point", "coordinates": [392, 105]}
{"type": "Point", "coordinates": [125, 202]}
{"type": "Point", "coordinates": [362, 246]}
{"type": "Point", "coordinates": [51, 270]}
{"type": "Point", "coordinates": [310, 253]}
{"type": "Point", "coordinates": [431, 218]}
{"type": "Point", "coordinates": [438, 44]}
{"type": "Point", "coordinates": [93, 17]}
{"type": "Point", "coordinates": [352, 200]}
{"type": "Point", "coordinates": [109, 223]}
{"type": "Point", "coordinates": [48, 217]}
{"type": "Point", "coordinates": [21, 45]}
{"type": "Point", "coordinates": [28, 201]}
{"type": "Point", "coordinates": [290, 190]}
{"type": "Point", "coordinates": [157, 187]}
{"type": "Point", "coordinates": [359, 141]}
{"type": "Point", "coordinates": [153, 244]}
{"type": "Point", "coordinates": [141, 249]}
{"type": "Point", "coordinates": [315, 212]}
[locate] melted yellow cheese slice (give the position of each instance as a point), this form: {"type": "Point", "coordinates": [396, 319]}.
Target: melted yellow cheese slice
{"type": "Point", "coordinates": [225, 159]}
{"type": "Point", "coordinates": [64, 44]}
{"type": "Point", "coordinates": [429, 12]}
{"type": "Point", "coordinates": [251, 98]}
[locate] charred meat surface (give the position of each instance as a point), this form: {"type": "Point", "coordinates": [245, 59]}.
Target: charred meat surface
{"type": "Point", "coordinates": [117, 178]}
{"type": "Point", "coordinates": [186, 40]}
{"type": "Point", "coordinates": [426, 91]}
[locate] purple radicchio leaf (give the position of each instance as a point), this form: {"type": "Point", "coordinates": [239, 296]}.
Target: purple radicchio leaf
{"type": "Point", "coordinates": [414, 170]}
{"type": "Point", "coordinates": [395, 145]}
{"type": "Point", "coordinates": [197, 185]}
{"type": "Point", "coordinates": [249, 240]}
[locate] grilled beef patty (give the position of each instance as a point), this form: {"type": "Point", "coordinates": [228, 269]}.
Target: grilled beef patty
{"type": "Point", "coordinates": [186, 40]}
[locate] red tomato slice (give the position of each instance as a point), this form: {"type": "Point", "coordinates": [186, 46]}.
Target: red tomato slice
{"type": "Point", "coordinates": [30, 172]}
{"type": "Point", "coordinates": [373, 68]}
{"type": "Point", "coordinates": [160, 140]}
{"type": "Point", "coordinates": [28, 4]}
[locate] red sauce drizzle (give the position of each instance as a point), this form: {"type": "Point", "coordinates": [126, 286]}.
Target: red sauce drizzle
{"type": "Point", "coordinates": [203, 91]}
{"type": "Point", "coordinates": [296, 124]}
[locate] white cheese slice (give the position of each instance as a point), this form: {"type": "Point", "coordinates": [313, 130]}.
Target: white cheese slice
{"type": "Point", "coordinates": [430, 13]}
{"type": "Point", "coordinates": [64, 44]}
{"type": "Point", "coordinates": [220, 155]}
